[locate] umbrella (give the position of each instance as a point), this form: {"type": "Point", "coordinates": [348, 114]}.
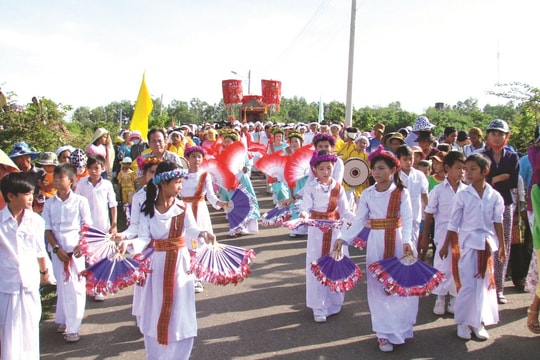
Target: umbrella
{"type": "Point", "coordinates": [221, 264]}
{"type": "Point", "coordinates": [276, 216]}
{"type": "Point", "coordinates": [239, 209]}
{"type": "Point", "coordinates": [406, 276]}
{"type": "Point", "coordinates": [298, 165]}
{"type": "Point", "coordinates": [221, 175]}
{"type": "Point", "coordinates": [111, 274]}
{"type": "Point", "coordinates": [321, 224]}
{"type": "Point", "coordinates": [336, 271]}
{"type": "Point", "coordinates": [95, 244]}
{"type": "Point", "coordinates": [273, 165]}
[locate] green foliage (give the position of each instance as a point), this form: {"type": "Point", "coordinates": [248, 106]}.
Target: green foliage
{"type": "Point", "coordinates": [43, 127]}
{"type": "Point", "coordinates": [40, 124]}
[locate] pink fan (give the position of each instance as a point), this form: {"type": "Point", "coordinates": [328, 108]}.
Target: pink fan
{"type": "Point", "coordinates": [406, 276]}
{"type": "Point", "coordinates": [320, 224]}
{"type": "Point", "coordinates": [111, 274]}
{"type": "Point", "coordinates": [221, 175]}
{"type": "Point", "coordinates": [336, 271]}
{"type": "Point", "coordinates": [276, 216]}
{"type": "Point", "coordinates": [257, 147]}
{"type": "Point", "coordinates": [233, 156]}
{"type": "Point", "coordinates": [221, 264]}
{"type": "Point", "coordinates": [95, 244]}
{"type": "Point", "coordinates": [273, 165]}
{"type": "Point", "coordinates": [298, 165]}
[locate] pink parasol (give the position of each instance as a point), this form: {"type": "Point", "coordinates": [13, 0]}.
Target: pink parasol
{"type": "Point", "coordinates": [221, 264]}
{"type": "Point", "coordinates": [336, 271]}
{"type": "Point", "coordinates": [406, 276]}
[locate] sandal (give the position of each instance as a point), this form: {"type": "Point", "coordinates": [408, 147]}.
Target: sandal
{"type": "Point", "coordinates": [532, 324]}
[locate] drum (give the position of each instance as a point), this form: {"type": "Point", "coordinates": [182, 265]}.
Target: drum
{"type": "Point", "coordinates": [184, 163]}
{"type": "Point", "coordinates": [356, 172]}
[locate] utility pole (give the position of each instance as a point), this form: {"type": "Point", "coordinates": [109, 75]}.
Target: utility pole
{"type": "Point", "coordinates": [348, 103]}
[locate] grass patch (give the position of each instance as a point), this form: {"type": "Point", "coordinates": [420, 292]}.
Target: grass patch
{"type": "Point", "coordinates": [48, 300]}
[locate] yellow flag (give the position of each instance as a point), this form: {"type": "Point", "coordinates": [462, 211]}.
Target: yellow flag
{"type": "Point", "coordinates": [143, 108]}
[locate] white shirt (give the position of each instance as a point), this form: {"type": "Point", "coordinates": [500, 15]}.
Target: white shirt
{"type": "Point", "coordinates": [473, 217]}
{"type": "Point", "coordinates": [20, 247]}
{"type": "Point", "coordinates": [100, 198]}
{"type": "Point", "coordinates": [65, 219]}
{"type": "Point", "coordinates": [440, 204]}
{"type": "Point", "coordinates": [470, 149]}
{"type": "Point", "coordinates": [417, 184]}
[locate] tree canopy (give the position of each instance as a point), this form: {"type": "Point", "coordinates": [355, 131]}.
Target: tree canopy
{"type": "Point", "coordinates": [42, 122]}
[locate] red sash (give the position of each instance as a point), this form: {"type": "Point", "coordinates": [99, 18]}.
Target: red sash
{"type": "Point", "coordinates": [390, 231]}
{"type": "Point", "coordinates": [197, 197]}
{"type": "Point", "coordinates": [330, 214]}
{"type": "Point", "coordinates": [171, 245]}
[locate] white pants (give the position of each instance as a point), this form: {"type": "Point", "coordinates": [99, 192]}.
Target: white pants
{"type": "Point", "coordinates": [19, 325]}
{"type": "Point", "coordinates": [175, 350]}
{"type": "Point", "coordinates": [475, 303]}
{"type": "Point", "coordinates": [71, 295]}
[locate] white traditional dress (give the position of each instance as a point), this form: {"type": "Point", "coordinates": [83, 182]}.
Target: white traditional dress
{"type": "Point", "coordinates": [131, 233]}
{"type": "Point", "coordinates": [473, 219]}
{"type": "Point", "coordinates": [392, 316]}
{"type": "Point", "coordinates": [21, 244]}
{"type": "Point", "coordinates": [196, 187]}
{"type": "Point", "coordinates": [315, 202]}
{"type": "Point", "coordinates": [167, 318]}
{"type": "Point", "coordinates": [441, 201]}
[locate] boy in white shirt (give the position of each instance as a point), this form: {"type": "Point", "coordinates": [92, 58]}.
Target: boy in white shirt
{"type": "Point", "coordinates": [416, 182]}
{"type": "Point", "coordinates": [101, 197]}
{"type": "Point", "coordinates": [476, 220]}
{"type": "Point", "coordinates": [441, 201]}
{"type": "Point", "coordinates": [64, 214]}
{"type": "Point", "coordinates": [23, 255]}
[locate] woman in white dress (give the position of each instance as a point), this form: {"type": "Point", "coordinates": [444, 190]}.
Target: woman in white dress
{"type": "Point", "coordinates": [386, 208]}
{"type": "Point", "coordinates": [168, 318]}
{"type": "Point", "coordinates": [323, 198]}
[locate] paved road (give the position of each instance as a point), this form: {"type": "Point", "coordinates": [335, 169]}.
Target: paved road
{"type": "Point", "coordinates": [265, 317]}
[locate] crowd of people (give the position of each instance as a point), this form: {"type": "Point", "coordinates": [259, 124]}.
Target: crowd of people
{"type": "Point", "coordinates": [460, 195]}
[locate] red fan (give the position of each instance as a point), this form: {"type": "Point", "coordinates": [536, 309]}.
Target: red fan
{"type": "Point", "coordinates": [221, 264]}
{"type": "Point", "coordinates": [406, 276]}
{"type": "Point", "coordinates": [336, 271]}
{"type": "Point", "coordinates": [298, 165]}
{"type": "Point", "coordinates": [233, 156]}
{"type": "Point", "coordinates": [257, 147]}
{"type": "Point", "coordinates": [220, 173]}
{"type": "Point", "coordinates": [273, 165]}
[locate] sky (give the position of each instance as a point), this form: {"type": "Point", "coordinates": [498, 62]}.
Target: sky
{"type": "Point", "coordinates": [417, 52]}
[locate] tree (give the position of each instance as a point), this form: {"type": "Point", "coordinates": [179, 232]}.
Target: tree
{"type": "Point", "coordinates": [527, 118]}
{"type": "Point", "coordinates": [39, 123]}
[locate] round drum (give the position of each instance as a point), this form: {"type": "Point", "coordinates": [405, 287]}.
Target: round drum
{"type": "Point", "coordinates": [184, 163]}
{"type": "Point", "coordinates": [356, 172]}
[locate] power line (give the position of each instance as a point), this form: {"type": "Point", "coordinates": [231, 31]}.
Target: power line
{"type": "Point", "coordinates": [320, 9]}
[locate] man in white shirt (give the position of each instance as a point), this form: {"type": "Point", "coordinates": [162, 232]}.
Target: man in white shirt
{"type": "Point", "coordinates": [23, 256]}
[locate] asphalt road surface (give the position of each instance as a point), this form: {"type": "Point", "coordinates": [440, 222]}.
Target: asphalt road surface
{"type": "Point", "coordinates": [265, 317]}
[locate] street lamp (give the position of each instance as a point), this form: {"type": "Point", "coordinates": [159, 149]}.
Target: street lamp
{"type": "Point", "coordinates": [248, 77]}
